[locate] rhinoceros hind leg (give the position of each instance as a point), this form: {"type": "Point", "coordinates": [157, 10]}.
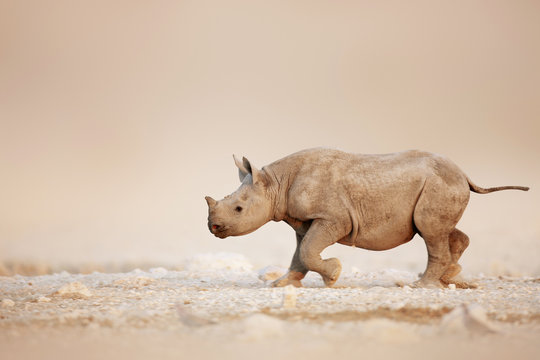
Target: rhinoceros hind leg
{"type": "Point", "coordinates": [460, 283]}
{"type": "Point", "coordinates": [450, 273]}
{"type": "Point", "coordinates": [437, 211]}
{"type": "Point", "coordinates": [458, 243]}
{"type": "Point", "coordinates": [438, 263]}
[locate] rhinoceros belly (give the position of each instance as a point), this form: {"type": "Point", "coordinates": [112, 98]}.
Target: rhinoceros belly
{"type": "Point", "coordinates": [383, 219]}
{"type": "Point", "coordinates": [382, 237]}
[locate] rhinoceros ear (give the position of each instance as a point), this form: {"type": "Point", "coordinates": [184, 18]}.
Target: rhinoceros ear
{"type": "Point", "coordinates": [242, 171]}
{"type": "Point", "coordinates": [245, 168]}
{"type": "Point", "coordinates": [252, 170]}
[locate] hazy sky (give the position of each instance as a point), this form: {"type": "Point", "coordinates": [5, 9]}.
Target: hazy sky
{"type": "Point", "coordinates": [117, 117]}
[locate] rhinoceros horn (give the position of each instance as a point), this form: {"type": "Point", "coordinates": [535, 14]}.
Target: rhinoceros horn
{"type": "Point", "coordinates": [211, 202]}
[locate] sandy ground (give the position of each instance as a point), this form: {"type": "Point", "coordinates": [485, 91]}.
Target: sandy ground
{"type": "Point", "coordinates": [219, 306]}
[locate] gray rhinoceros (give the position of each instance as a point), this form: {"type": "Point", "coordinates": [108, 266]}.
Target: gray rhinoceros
{"type": "Point", "coordinates": [374, 202]}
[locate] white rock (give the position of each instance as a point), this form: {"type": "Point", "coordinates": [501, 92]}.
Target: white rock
{"type": "Point", "coordinates": [7, 303]}
{"type": "Point", "coordinates": [136, 282]}
{"type": "Point", "coordinates": [479, 316]}
{"type": "Point", "coordinates": [74, 290]}
{"type": "Point", "coordinates": [454, 321]}
{"type": "Point", "coordinates": [467, 318]}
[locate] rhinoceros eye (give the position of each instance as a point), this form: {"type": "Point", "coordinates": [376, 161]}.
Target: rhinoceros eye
{"type": "Point", "coordinates": [238, 209]}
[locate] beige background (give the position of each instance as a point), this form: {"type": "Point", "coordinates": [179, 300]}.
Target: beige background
{"type": "Point", "coordinates": [117, 117]}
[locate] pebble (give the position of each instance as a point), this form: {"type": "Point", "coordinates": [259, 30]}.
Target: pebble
{"type": "Point", "coordinates": [74, 290]}
{"type": "Point", "coordinates": [7, 303]}
{"type": "Point", "coordinates": [136, 282]}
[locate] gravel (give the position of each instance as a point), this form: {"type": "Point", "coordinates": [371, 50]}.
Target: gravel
{"type": "Point", "coordinates": [222, 299]}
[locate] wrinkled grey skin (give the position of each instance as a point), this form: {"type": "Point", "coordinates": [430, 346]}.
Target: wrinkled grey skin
{"type": "Point", "coordinates": [374, 202]}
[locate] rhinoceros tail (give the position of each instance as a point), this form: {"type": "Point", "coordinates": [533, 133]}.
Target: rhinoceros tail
{"type": "Point", "coordinates": [481, 190]}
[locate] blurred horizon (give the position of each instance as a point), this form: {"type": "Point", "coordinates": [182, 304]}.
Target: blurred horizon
{"type": "Point", "coordinates": [118, 117]}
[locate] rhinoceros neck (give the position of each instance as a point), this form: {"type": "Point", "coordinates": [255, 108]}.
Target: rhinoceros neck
{"type": "Point", "coordinates": [281, 174]}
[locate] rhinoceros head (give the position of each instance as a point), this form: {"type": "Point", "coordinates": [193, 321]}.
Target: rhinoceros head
{"type": "Point", "coordinates": [245, 210]}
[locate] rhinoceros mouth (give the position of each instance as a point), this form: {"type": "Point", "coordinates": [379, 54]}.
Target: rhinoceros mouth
{"type": "Point", "coordinates": [221, 232]}
{"type": "Point", "coordinates": [225, 231]}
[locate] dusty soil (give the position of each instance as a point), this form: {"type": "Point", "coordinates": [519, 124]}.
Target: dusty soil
{"type": "Point", "coordinates": [218, 306]}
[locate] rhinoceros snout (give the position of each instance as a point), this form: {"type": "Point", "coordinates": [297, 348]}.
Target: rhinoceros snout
{"type": "Point", "coordinates": [215, 228]}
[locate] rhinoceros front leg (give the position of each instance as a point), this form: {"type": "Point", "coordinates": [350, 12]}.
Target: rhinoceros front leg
{"type": "Point", "coordinates": [320, 235]}
{"type": "Point", "coordinates": [297, 270]}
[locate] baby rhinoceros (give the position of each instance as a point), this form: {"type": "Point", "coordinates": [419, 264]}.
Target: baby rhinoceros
{"type": "Point", "coordinates": [374, 202]}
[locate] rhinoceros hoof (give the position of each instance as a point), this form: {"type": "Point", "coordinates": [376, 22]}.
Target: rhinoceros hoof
{"type": "Point", "coordinates": [452, 271]}
{"type": "Point", "coordinates": [460, 283]}
{"type": "Point", "coordinates": [334, 266]}
{"type": "Point", "coordinates": [291, 278]}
